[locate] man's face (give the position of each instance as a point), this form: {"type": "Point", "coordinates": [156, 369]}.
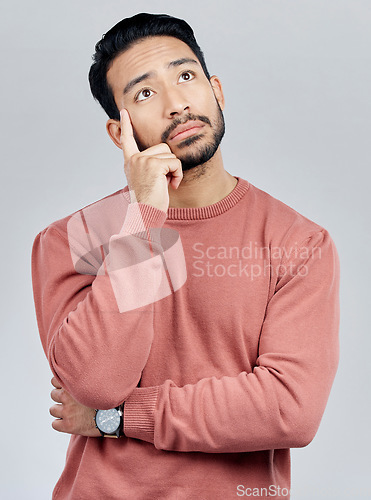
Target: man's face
{"type": "Point", "coordinates": [162, 85]}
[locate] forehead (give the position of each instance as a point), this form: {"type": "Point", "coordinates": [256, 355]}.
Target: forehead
{"type": "Point", "coordinates": [149, 54]}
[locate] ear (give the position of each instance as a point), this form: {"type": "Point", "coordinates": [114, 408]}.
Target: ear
{"type": "Point", "coordinates": [113, 128]}
{"type": "Point", "coordinates": [216, 85]}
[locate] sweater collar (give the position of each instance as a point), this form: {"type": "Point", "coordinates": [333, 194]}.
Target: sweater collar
{"type": "Point", "coordinates": [218, 208]}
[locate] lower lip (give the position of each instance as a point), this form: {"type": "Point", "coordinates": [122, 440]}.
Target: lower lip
{"type": "Point", "coordinates": [186, 133]}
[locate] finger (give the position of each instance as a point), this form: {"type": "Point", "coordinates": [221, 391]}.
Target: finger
{"type": "Point", "coordinates": [55, 382]}
{"type": "Point", "coordinates": [128, 143]}
{"type": "Point", "coordinates": [164, 156]}
{"type": "Point", "coordinates": [59, 425]}
{"type": "Point", "coordinates": [56, 395]}
{"type": "Point", "coordinates": [56, 411]}
{"type": "Point", "coordinates": [176, 171]}
{"type": "Point", "coordinates": [161, 148]}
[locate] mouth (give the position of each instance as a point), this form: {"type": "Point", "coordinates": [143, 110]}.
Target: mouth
{"type": "Point", "coordinates": [186, 130]}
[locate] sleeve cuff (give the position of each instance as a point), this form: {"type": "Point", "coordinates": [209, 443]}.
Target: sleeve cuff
{"type": "Point", "coordinates": [140, 217]}
{"type": "Point", "coordinates": [139, 413]}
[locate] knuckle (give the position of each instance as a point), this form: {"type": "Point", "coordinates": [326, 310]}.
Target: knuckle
{"type": "Point", "coordinates": [139, 158]}
{"type": "Point", "coordinates": [62, 397]}
{"type": "Point", "coordinates": [152, 161]}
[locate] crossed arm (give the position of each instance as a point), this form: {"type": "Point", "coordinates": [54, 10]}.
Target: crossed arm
{"type": "Point", "coordinates": [278, 405]}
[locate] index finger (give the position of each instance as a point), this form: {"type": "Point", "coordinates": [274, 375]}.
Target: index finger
{"type": "Point", "coordinates": [128, 142]}
{"type": "Point", "coordinates": [55, 383]}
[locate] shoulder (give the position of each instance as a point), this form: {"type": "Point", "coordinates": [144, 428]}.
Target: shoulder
{"type": "Point", "coordinates": [282, 223]}
{"type": "Point", "coordinates": [103, 215]}
{"type": "Point", "coordinates": [295, 242]}
{"type": "Point", "coordinates": [82, 236]}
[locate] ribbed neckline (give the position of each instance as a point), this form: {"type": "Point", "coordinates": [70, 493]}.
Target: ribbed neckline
{"type": "Point", "coordinates": [218, 208]}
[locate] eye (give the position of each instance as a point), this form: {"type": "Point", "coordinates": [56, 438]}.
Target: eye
{"type": "Point", "coordinates": [189, 75]}
{"type": "Point", "coordinates": [143, 95]}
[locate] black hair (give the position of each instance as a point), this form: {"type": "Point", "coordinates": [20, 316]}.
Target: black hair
{"type": "Point", "coordinates": [121, 37]}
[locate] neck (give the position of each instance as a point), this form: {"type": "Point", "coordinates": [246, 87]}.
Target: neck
{"type": "Point", "coordinates": [203, 185]}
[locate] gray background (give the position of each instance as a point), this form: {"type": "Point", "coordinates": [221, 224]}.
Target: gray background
{"type": "Point", "coordinates": [297, 81]}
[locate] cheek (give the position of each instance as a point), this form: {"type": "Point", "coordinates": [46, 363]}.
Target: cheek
{"type": "Point", "coordinates": [147, 122]}
{"type": "Point", "coordinates": [205, 103]}
{"type": "Point", "coordinates": [144, 133]}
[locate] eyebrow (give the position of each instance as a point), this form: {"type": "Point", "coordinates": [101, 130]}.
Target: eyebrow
{"type": "Point", "coordinates": [151, 74]}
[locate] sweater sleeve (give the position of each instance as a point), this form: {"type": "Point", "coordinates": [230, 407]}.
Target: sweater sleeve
{"type": "Point", "coordinates": [96, 327]}
{"type": "Point", "coordinates": [281, 402]}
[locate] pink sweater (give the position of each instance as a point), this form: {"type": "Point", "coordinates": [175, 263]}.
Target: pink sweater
{"type": "Point", "coordinates": [218, 327]}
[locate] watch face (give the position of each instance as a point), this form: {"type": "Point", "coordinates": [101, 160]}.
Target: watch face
{"type": "Point", "coordinates": [108, 421]}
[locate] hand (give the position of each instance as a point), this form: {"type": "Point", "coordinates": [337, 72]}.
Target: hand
{"type": "Point", "coordinates": [72, 417]}
{"type": "Point", "coordinates": [149, 172]}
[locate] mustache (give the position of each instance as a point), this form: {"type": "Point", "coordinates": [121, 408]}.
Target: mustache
{"type": "Point", "coordinates": [178, 121]}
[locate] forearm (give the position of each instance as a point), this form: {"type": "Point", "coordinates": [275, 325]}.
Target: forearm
{"type": "Point", "coordinates": [250, 412]}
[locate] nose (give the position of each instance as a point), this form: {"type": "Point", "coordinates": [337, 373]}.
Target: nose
{"type": "Point", "coordinates": [176, 103]}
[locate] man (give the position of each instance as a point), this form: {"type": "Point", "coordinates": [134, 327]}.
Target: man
{"type": "Point", "coordinates": [190, 314]}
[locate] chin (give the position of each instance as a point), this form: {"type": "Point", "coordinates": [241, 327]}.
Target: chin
{"type": "Point", "coordinates": [198, 157]}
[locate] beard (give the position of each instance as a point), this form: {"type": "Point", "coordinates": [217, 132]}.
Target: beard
{"type": "Point", "coordinates": [205, 151]}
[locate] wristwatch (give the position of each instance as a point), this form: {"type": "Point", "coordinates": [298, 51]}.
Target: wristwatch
{"type": "Point", "coordinates": [110, 423]}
